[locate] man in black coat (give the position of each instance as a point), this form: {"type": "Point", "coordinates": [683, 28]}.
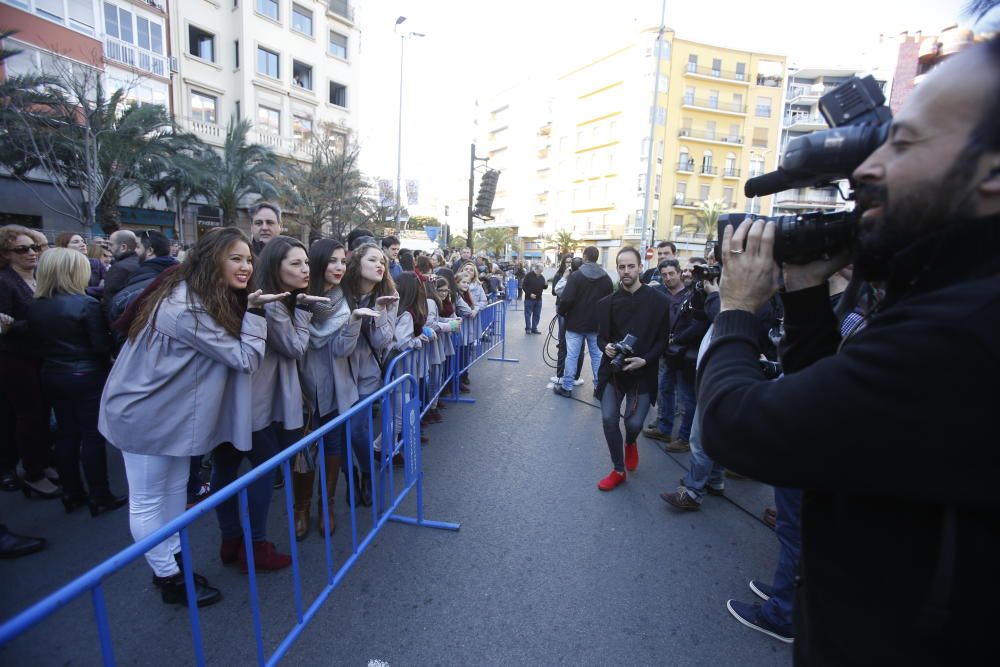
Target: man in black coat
{"type": "Point", "coordinates": [584, 288]}
{"type": "Point", "coordinates": [123, 248]}
{"type": "Point", "coordinates": [893, 437]}
{"type": "Point", "coordinates": [534, 287]}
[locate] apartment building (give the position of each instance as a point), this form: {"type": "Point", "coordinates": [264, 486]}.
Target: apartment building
{"type": "Point", "coordinates": [586, 152]}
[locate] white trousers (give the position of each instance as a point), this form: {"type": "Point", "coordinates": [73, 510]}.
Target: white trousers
{"type": "Point", "coordinates": [157, 494]}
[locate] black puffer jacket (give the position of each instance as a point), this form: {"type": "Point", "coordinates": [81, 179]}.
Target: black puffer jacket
{"type": "Point", "coordinates": [72, 333]}
{"type": "Point", "coordinates": [584, 288]}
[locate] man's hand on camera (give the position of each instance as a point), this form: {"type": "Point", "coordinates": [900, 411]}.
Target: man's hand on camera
{"type": "Point", "coordinates": [710, 287]}
{"type": "Point", "coordinates": [815, 273]}
{"type": "Point", "coordinates": [633, 364]}
{"type": "Point", "coordinates": [610, 350]}
{"type": "Point", "coordinates": [750, 276]}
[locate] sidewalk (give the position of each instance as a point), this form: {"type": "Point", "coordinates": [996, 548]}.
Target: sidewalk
{"type": "Point", "coordinates": [546, 569]}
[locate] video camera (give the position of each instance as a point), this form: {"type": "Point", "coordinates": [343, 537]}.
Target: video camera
{"type": "Point", "coordinates": [859, 122]}
{"type": "Point", "coordinates": [702, 273]}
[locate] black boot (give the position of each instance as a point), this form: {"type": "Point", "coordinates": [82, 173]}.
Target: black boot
{"type": "Point", "coordinates": [173, 592]}
{"type": "Point", "coordinates": [365, 494]}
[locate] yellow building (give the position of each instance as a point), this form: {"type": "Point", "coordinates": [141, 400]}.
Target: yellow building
{"type": "Point", "coordinates": [580, 163]}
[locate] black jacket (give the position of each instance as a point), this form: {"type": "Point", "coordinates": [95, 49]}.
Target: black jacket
{"type": "Point", "coordinates": [149, 269]}
{"type": "Point", "coordinates": [533, 286]}
{"type": "Point", "coordinates": [644, 314]}
{"type": "Point", "coordinates": [118, 275]}
{"type": "Point", "coordinates": [72, 333]}
{"type": "Point", "coordinates": [584, 288]}
{"type": "Point", "coordinates": [893, 439]}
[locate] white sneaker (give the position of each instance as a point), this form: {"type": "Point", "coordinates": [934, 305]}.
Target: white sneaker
{"type": "Point", "coordinates": [577, 383]}
{"type": "Point", "coordinates": [554, 379]}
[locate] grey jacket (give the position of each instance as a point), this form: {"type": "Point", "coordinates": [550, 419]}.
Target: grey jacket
{"type": "Point", "coordinates": [277, 390]}
{"type": "Point", "coordinates": [183, 386]}
{"type": "Point", "coordinates": [364, 374]}
{"type": "Point", "coordinates": [326, 377]}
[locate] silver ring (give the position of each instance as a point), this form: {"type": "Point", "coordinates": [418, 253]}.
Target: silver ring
{"type": "Point", "coordinates": [737, 252]}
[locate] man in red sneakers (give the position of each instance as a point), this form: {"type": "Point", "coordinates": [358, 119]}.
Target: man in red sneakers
{"type": "Point", "coordinates": [632, 327]}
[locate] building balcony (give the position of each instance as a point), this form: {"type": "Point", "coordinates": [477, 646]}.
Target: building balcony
{"type": "Point", "coordinates": [633, 232]}
{"type": "Point", "coordinates": [730, 173]}
{"type": "Point", "coordinates": [717, 74]}
{"type": "Point", "coordinates": [708, 136]}
{"type": "Point", "coordinates": [681, 202]}
{"type": "Point", "coordinates": [801, 122]}
{"type": "Point", "coordinates": [297, 147]}
{"type": "Point", "coordinates": [128, 54]}
{"type": "Point", "coordinates": [770, 81]}
{"type": "Point", "coordinates": [713, 104]}
{"type": "Point", "coordinates": [708, 170]}
{"type": "Point", "coordinates": [597, 234]}
{"type": "Point", "coordinates": [686, 167]}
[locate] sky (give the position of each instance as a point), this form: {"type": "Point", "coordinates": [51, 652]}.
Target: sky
{"type": "Point", "coordinates": [474, 48]}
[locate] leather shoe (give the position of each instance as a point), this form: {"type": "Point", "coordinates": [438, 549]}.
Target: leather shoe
{"type": "Point", "coordinates": [678, 446]}
{"type": "Point", "coordinates": [106, 503]}
{"type": "Point", "coordinates": [680, 500]}
{"type": "Point", "coordinates": [172, 590]}
{"type": "Point", "coordinates": [9, 481]}
{"type": "Point", "coordinates": [13, 545]}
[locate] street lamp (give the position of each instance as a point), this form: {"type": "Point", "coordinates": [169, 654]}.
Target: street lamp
{"type": "Point", "coordinates": [399, 135]}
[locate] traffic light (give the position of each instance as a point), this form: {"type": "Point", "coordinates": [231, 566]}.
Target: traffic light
{"type": "Point", "coordinates": [487, 191]}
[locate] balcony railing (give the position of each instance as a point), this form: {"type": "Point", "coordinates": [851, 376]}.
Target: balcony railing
{"type": "Point", "coordinates": [807, 198]}
{"type": "Point", "coordinates": [770, 81]}
{"type": "Point", "coordinates": [730, 173]}
{"type": "Point", "coordinates": [713, 103]}
{"type": "Point", "coordinates": [128, 54]}
{"type": "Point", "coordinates": [709, 170]}
{"type": "Point", "coordinates": [679, 200]}
{"type": "Point", "coordinates": [717, 73]}
{"type": "Point", "coordinates": [685, 166]}
{"type": "Point", "coordinates": [709, 135]}
{"type": "Point", "coordinates": [296, 146]}
{"type": "Point", "coordinates": [805, 119]}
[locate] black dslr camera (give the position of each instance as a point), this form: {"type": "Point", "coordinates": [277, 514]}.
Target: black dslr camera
{"type": "Point", "coordinates": [623, 348]}
{"type": "Point", "coordinates": [859, 122]}
{"type": "Point", "coordinates": [576, 263]}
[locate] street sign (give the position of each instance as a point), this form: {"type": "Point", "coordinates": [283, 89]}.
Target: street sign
{"type": "Point", "coordinates": [649, 253]}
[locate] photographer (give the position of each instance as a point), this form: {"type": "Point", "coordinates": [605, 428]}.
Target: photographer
{"type": "Point", "coordinates": [632, 325]}
{"type": "Point", "coordinates": [899, 549]}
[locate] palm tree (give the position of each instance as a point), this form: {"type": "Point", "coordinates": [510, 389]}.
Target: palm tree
{"type": "Point", "coordinates": [495, 239]}
{"type": "Point", "coordinates": [564, 241]}
{"type": "Point", "coordinates": [242, 171]}
{"type": "Point", "coordinates": [186, 178]}
{"type": "Point", "coordinates": [708, 214]}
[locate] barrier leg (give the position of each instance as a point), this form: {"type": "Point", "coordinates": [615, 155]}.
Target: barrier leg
{"type": "Point", "coordinates": [252, 576]}
{"type": "Point", "coordinates": [456, 375]}
{"type": "Point", "coordinates": [286, 468]}
{"type": "Point", "coordinates": [503, 338]}
{"type": "Point", "coordinates": [199, 655]}
{"type": "Point", "coordinates": [103, 629]}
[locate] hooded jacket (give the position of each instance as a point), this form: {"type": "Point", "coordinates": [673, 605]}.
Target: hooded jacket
{"type": "Point", "coordinates": [584, 288]}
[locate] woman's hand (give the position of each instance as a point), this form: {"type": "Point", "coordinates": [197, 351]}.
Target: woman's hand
{"type": "Point", "coordinates": [258, 298]}
{"type": "Point", "coordinates": [308, 299]}
{"type": "Point", "coordinates": [610, 350]}
{"type": "Point", "coordinates": [358, 313]}
{"type": "Point", "coordinates": [383, 301]}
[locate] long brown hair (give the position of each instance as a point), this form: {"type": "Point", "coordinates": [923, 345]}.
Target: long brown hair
{"type": "Point", "coordinates": [351, 283]}
{"type": "Point", "coordinates": [202, 271]}
{"type": "Point", "coordinates": [267, 272]}
{"type": "Point", "coordinates": [413, 299]}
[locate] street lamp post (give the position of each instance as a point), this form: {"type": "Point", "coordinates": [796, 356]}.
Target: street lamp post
{"type": "Point", "coordinates": [399, 134]}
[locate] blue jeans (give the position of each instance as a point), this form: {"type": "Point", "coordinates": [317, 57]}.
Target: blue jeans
{"type": "Point", "coordinates": [532, 313]}
{"type": "Point", "coordinates": [675, 392]}
{"type": "Point", "coordinates": [778, 610]}
{"type": "Point", "coordinates": [574, 346]}
{"type": "Point", "coordinates": [703, 471]}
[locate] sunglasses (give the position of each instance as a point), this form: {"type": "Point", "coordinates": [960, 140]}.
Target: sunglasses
{"type": "Point", "coordinates": [23, 249]}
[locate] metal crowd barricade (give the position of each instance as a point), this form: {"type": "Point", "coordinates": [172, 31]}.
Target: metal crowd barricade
{"type": "Point", "coordinates": [512, 294]}
{"type": "Point", "coordinates": [386, 502]}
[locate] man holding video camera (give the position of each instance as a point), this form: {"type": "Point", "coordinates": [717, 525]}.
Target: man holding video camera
{"type": "Point", "coordinates": [891, 436]}
{"type": "Point", "coordinates": [632, 324]}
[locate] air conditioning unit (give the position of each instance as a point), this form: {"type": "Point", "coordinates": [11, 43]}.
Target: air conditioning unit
{"type": "Point", "coordinates": [173, 64]}
{"type": "Point", "coordinates": [685, 133]}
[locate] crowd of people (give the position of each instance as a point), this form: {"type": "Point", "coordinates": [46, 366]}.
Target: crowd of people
{"type": "Point", "coordinates": [259, 339]}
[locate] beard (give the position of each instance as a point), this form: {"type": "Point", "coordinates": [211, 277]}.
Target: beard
{"type": "Point", "coordinates": [906, 217]}
{"type": "Point", "coordinates": [628, 281]}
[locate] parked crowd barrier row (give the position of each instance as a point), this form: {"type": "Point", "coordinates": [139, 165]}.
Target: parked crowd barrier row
{"type": "Point", "coordinates": [412, 385]}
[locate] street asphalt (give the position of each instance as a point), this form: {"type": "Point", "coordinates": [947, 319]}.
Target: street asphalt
{"type": "Point", "coordinates": [545, 570]}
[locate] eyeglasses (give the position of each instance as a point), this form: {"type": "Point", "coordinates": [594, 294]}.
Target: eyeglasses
{"type": "Point", "coordinates": [23, 249]}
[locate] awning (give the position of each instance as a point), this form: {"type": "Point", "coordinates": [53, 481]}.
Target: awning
{"type": "Point", "coordinates": [532, 253]}
{"type": "Point", "coordinates": [130, 215]}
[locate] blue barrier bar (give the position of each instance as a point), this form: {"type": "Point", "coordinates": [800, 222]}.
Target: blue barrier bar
{"type": "Point", "coordinates": [417, 383]}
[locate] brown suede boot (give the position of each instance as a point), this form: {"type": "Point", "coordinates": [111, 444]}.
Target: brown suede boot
{"type": "Point", "coordinates": [302, 489]}
{"type": "Point", "coordinates": [332, 464]}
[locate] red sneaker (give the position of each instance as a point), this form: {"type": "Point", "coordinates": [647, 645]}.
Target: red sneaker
{"type": "Point", "coordinates": [631, 457]}
{"type": "Point", "coordinates": [611, 481]}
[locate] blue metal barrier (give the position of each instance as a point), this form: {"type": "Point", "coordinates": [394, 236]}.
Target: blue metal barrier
{"type": "Point", "coordinates": [386, 502]}
{"type": "Point", "coordinates": [512, 294]}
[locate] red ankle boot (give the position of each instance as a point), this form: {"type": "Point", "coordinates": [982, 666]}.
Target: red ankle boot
{"type": "Point", "coordinates": [631, 457]}
{"type": "Point", "coordinates": [611, 481]}
{"type": "Point", "coordinates": [265, 558]}
{"type": "Point", "coordinates": [231, 550]}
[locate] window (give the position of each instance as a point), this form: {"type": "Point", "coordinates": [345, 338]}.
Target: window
{"type": "Point", "coordinates": [689, 95]}
{"type": "Point", "coordinates": [681, 193]}
{"type": "Point", "coordinates": [117, 22]}
{"type": "Point", "coordinates": [692, 63]}
{"type": "Point", "coordinates": [267, 63]}
{"type": "Point", "coordinates": [201, 44]}
{"type": "Point", "coordinates": [659, 181]}
{"type": "Point", "coordinates": [302, 75]}
{"type": "Point", "coordinates": [204, 108]}
{"type": "Point", "coordinates": [731, 164]}
{"type": "Point", "coordinates": [760, 137]}
{"type": "Point", "coordinates": [268, 8]}
{"type": "Point", "coordinates": [302, 20]}
{"type": "Point", "coordinates": [142, 33]}
{"type": "Point", "coordinates": [706, 162]}
{"type": "Point", "coordinates": [756, 166]}
{"type": "Point", "coordinates": [716, 67]}
{"type": "Point", "coordinates": [737, 101]}
{"type": "Point", "coordinates": [50, 9]}
{"type": "Point", "coordinates": [642, 183]}
{"type": "Point", "coordinates": [302, 126]}
{"type": "Point", "coordinates": [238, 115]}
{"type": "Point", "coordinates": [763, 107]}
{"type": "Point", "coordinates": [661, 114]}
{"type": "Point", "coordinates": [727, 197]}
{"type": "Point", "coordinates": [734, 133]}
{"type": "Point", "coordinates": [741, 71]}
{"type": "Point", "coordinates": [236, 52]}
{"type": "Point", "coordinates": [269, 120]}
{"type": "Point", "coordinates": [703, 192]}
{"type": "Point", "coordinates": [710, 129]}
{"type": "Point", "coordinates": [338, 45]}
{"type": "Point", "coordinates": [684, 161]}
{"type": "Point", "coordinates": [338, 94]}
{"type": "Point", "coordinates": [713, 99]}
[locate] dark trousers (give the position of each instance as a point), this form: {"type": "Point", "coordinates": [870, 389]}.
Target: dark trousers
{"type": "Point", "coordinates": [561, 356]}
{"type": "Point", "coordinates": [778, 610]}
{"type": "Point", "coordinates": [636, 407]}
{"type": "Point", "coordinates": [226, 463]}
{"type": "Point", "coordinates": [532, 313]}
{"type": "Point", "coordinates": [76, 400]}
{"type": "Point", "coordinates": [676, 394]}
{"type": "Point", "coordinates": [20, 387]}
